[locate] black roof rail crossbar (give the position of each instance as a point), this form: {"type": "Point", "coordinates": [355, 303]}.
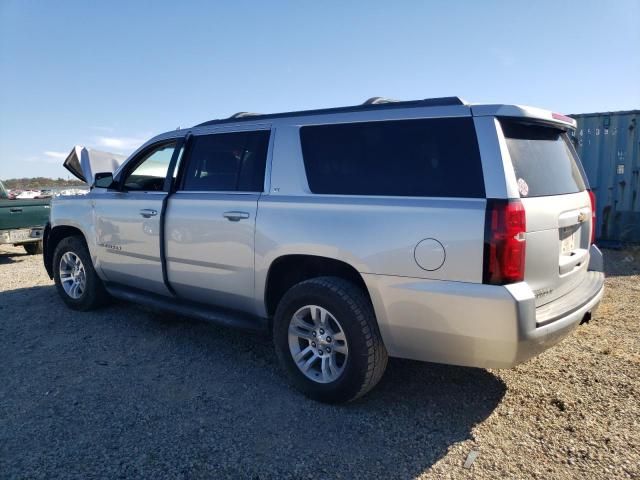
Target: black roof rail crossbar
{"type": "Point", "coordinates": [243, 114]}
{"type": "Point", "coordinates": [427, 102]}
{"type": "Point", "coordinates": [378, 100]}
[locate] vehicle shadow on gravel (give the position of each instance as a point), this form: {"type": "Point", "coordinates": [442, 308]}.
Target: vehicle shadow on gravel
{"type": "Point", "coordinates": [136, 392]}
{"type": "Point", "coordinates": [8, 257]}
{"type": "Point", "coordinates": [11, 255]}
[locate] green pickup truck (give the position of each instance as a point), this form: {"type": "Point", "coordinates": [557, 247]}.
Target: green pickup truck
{"type": "Point", "coordinates": [22, 221]}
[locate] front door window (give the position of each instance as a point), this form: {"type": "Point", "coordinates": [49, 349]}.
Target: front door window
{"type": "Point", "coordinates": [150, 172]}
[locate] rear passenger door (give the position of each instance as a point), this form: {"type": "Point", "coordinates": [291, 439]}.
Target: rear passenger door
{"type": "Point", "coordinates": [210, 219]}
{"type": "Point", "coordinates": [410, 195]}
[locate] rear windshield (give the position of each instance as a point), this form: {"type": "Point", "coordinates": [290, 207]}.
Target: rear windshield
{"type": "Point", "coordinates": [542, 159]}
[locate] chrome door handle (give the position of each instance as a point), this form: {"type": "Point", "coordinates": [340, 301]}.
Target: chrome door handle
{"type": "Point", "coordinates": [148, 212]}
{"type": "Point", "coordinates": [235, 216]}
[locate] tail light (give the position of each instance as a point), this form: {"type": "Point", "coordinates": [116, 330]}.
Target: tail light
{"type": "Point", "coordinates": [592, 197]}
{"type": "Point", "coordinates": [504, 243]}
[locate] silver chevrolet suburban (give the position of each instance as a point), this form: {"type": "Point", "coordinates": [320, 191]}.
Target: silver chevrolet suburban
{"type": "Point", "coordinates": [434, 230]}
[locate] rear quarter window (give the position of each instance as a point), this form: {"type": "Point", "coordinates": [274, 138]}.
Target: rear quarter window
{"type": "Point", "coordinates": [543, 160]}
{"type": "Point", "coordinates": [422, 158]}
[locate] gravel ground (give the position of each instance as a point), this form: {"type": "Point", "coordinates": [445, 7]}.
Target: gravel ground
{"type": "Point", "coordinates": [131, 392]}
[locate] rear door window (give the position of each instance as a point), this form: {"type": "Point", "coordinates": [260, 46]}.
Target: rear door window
{"type": "Point", "coordinates": [227, 162]}
{"type": "Point", "coordinates": [543, 160]}
{"type": "Point", "coordinates": [422, 158]}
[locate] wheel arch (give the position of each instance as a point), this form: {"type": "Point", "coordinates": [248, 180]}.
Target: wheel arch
{"type": "Point", "coordinates": [288, 270]}
{"type": "Point", "coordinates": [52, 237]}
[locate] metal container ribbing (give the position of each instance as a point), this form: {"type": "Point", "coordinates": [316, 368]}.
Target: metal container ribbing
{"type": "Point", "coordinates": [609, 146]}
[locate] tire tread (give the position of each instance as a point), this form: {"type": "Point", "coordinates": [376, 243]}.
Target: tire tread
{"type": "Point", "coordinates": [97, 295]}
{"type": "Point", "coordinates": [364, 316]}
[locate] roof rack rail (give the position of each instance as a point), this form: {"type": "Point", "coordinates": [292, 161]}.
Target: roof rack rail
{"type": "Point", "coordinates": [442, 101]}
{"type": "Point", "coordinates": [373, 103]}
{"type": "Point", "coordinates": [244, 114]}
{"type": "Point", "coordinates": [378, 100]}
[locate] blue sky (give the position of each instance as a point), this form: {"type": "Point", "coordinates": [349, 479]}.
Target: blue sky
{"type": "Point", "coordinates": [109, 75]}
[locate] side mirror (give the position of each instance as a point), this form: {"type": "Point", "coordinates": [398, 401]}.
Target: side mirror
{"type": "Point", "coordinates": [103, 180]}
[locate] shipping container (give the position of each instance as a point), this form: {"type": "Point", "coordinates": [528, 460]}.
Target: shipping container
{"type": "Point", "coordinates": [609, 146]}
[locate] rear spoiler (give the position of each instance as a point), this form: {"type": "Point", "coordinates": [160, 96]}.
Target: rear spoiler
{"type": "Point", "coordinates": [524, 112]}
{"type": "Point", "coordinates": [84, 163]}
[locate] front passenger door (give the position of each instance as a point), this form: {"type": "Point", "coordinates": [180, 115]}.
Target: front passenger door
{"type": "Point", "coordinates": [128, 220]}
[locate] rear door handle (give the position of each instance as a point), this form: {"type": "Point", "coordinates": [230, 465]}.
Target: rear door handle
{"type": "Point", "coordinates": [235, 216]}
{"type": "Point", "coordinates": [148, 212]}
{"type": "Point", "coordinates": [15, 210]}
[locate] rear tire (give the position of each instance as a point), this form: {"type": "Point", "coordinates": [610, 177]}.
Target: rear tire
{"type": "Point", "coordinates": [358, 353]}
{"type": "Point", "coordinates": [33, 248]}
{"type": "Point", "coordinates": [76, 280]}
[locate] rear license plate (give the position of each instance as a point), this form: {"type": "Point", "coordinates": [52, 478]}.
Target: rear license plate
{"type": "Point", "coordinates": [567, 240]}
{"type": "Point", "coordinates": [19, 235]}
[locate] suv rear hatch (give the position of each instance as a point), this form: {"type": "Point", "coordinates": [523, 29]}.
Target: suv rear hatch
{"type": "Point", "coordinates": [553, 192]}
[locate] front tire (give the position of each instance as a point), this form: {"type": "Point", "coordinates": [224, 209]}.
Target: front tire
{"type": "Point", "coordinates": [76, 280]}
{"type": "Point", "coordinates": [327, 340]}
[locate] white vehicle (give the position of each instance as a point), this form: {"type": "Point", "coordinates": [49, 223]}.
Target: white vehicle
{"type": "Point", "coordinates": [72, 191]}
{"type": "Point", "coordinates": [28, 194]}
{"type": "Point", "coordinates": [433, 230]}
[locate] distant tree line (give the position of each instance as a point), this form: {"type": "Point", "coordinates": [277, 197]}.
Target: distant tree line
{"type": "Point", "coordinates": [41, 182]}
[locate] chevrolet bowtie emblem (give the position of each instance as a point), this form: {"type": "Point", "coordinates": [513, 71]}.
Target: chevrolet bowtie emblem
{"type": "Point", "coordinates": [582, 217]}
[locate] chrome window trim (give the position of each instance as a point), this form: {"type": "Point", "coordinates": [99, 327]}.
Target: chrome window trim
{"type": "Point", "coordinates": [216, 192]}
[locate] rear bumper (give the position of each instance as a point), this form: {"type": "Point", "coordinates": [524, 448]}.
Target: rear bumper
{"type": "Point", "coordinates": [566, 314]}
{"type": "Point", "coordinates": [20, 236]}
{"type": "Point", "coordinates": [472, 324]}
